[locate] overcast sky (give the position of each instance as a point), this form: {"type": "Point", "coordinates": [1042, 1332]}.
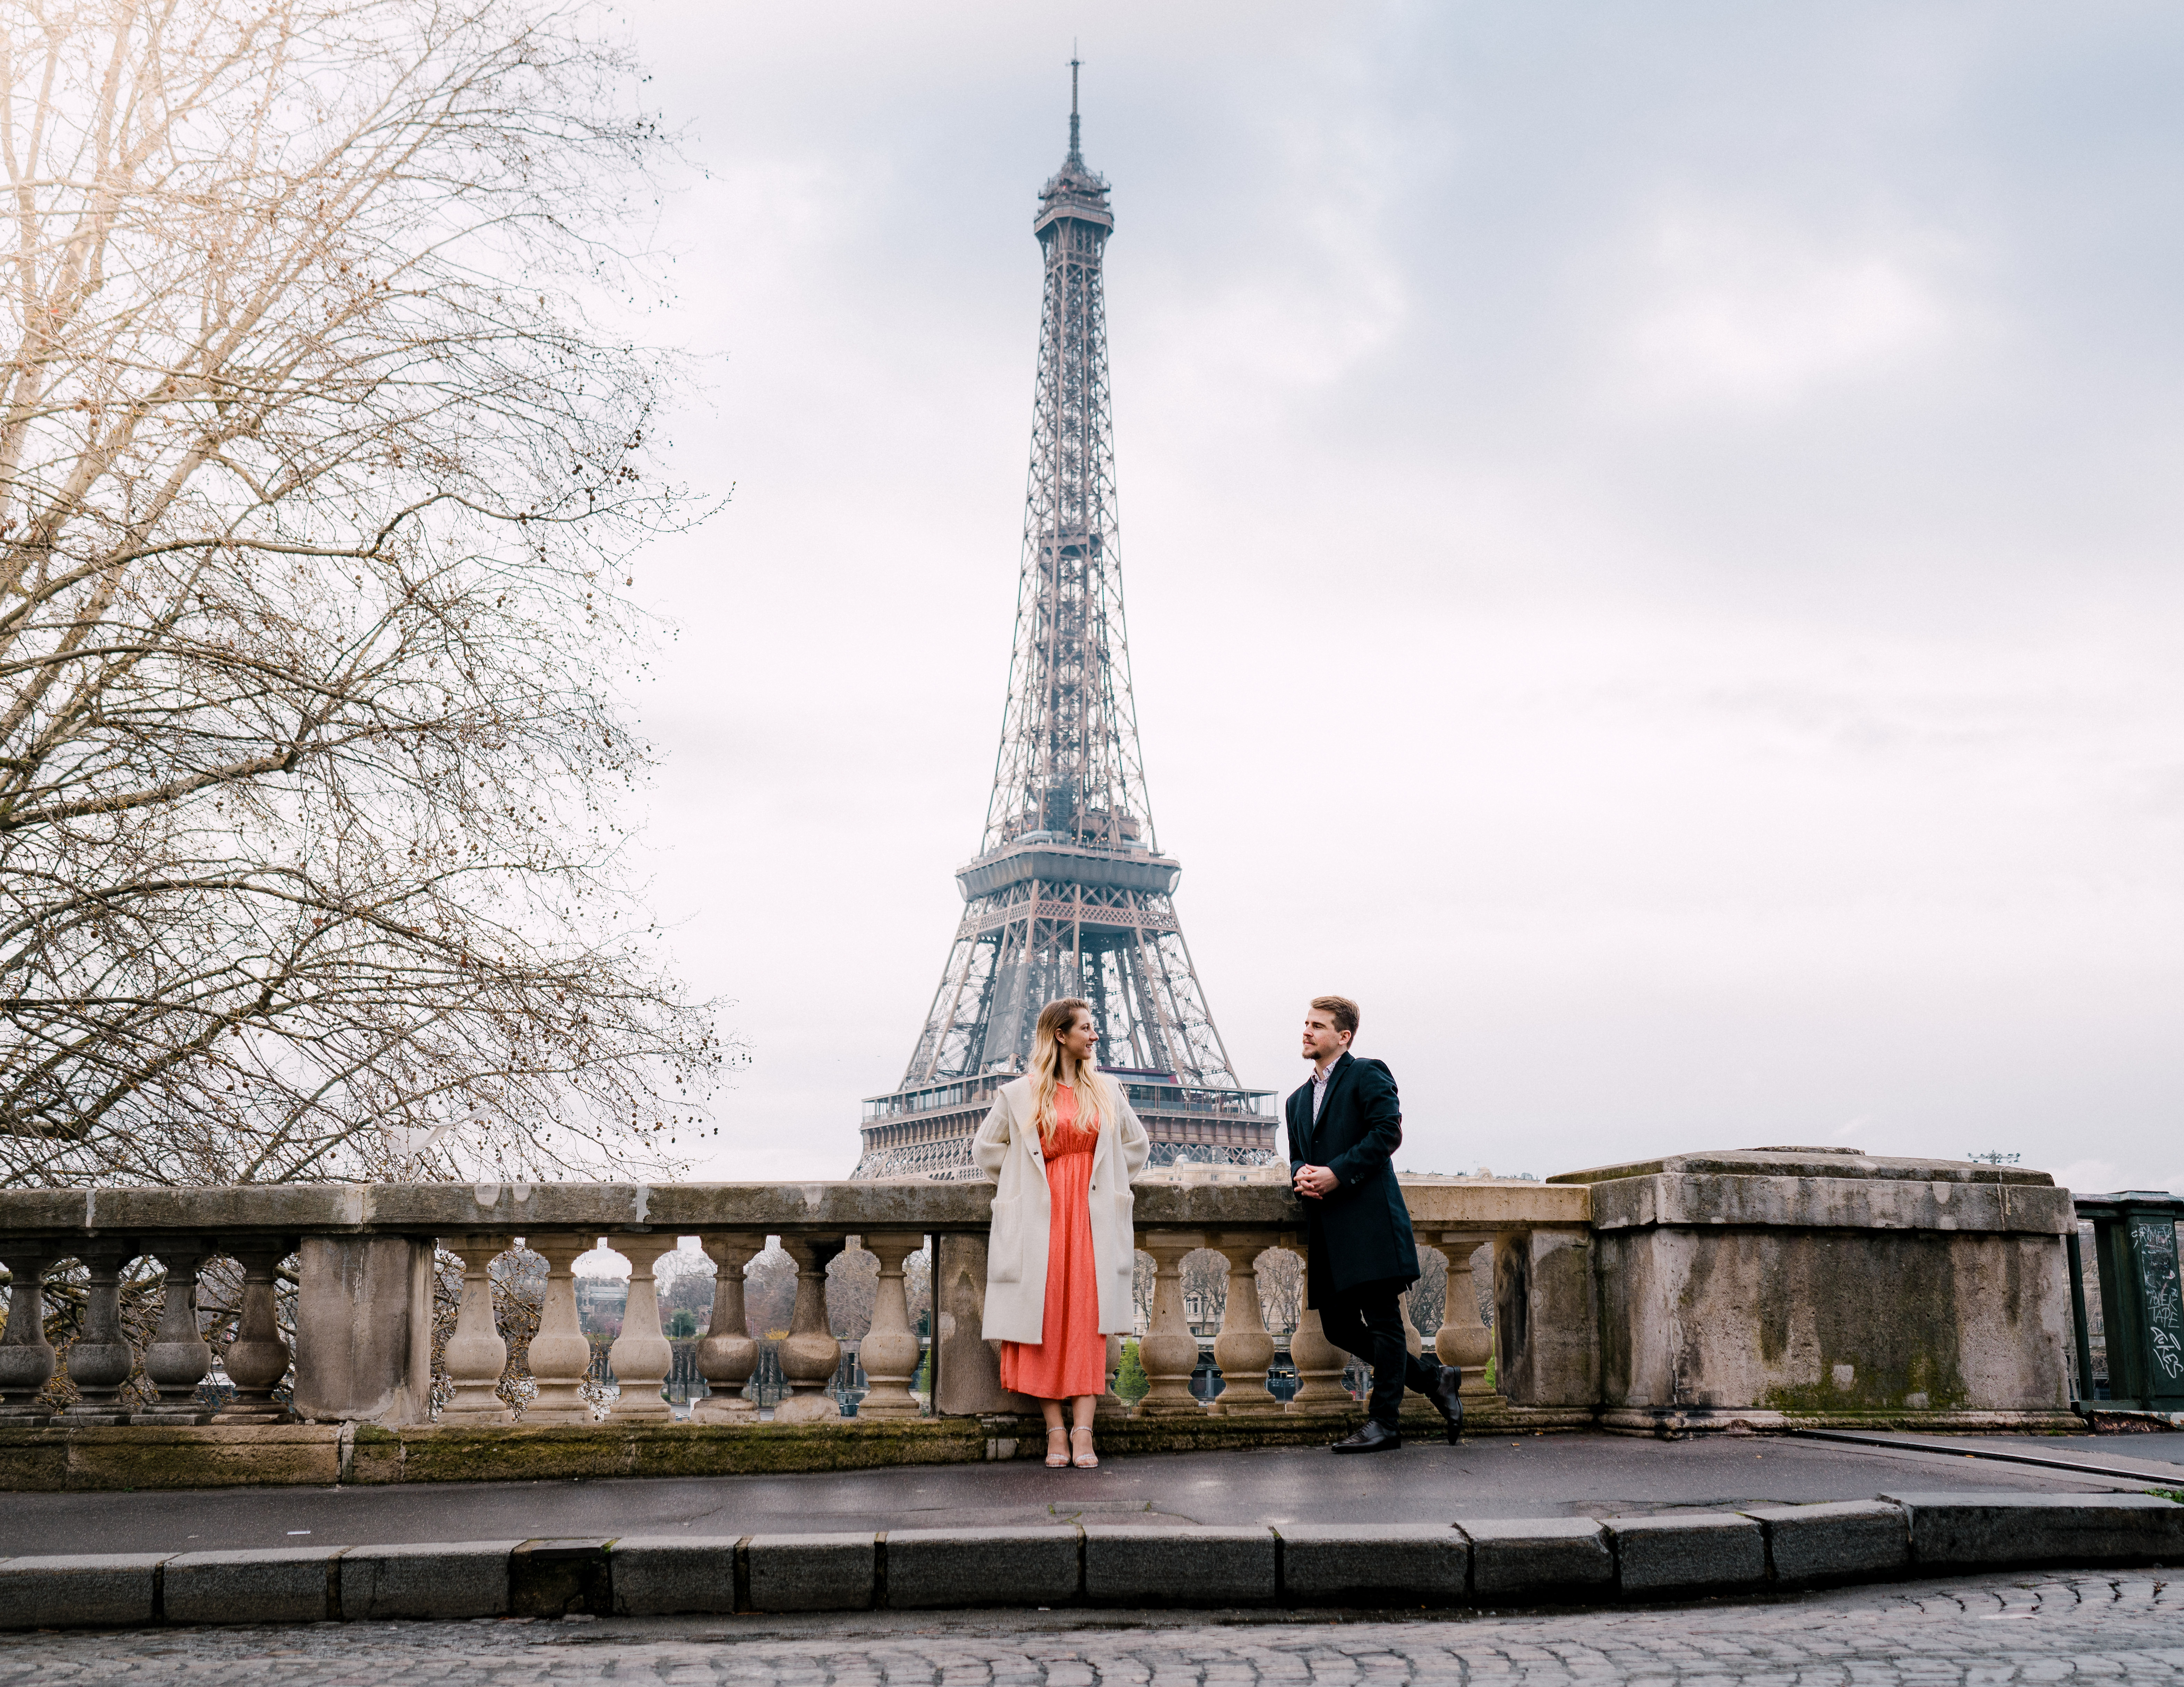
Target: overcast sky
{"type": "Point", "coordinates": [1650, 535]}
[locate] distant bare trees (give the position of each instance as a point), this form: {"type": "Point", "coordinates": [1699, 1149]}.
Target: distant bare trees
{"type": "Point", "coordinates": [319, 488]}
{"type": "Point", "coordinates": [1281, 1290]}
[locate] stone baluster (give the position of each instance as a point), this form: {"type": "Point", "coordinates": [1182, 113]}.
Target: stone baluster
{"type": "Point", "coordinates": [1407, 1303]}
{"type": "Point", "coordinates": [98, 1360]}
{"type": "Point", "coordinates": [476, 1354]}
{"type": "Point", "coordinates": [810, 1354]}
{"type": "Point", "coordinates": [889, 1352]}
{"type": "Point", "coordinates": [177, 1359]}
{"type": "Point", "coordinates": [1169, 1351]}
{"type": "Point", "coordinates": [26, 1357]}
{"type": "Point", "coordinates": [727, 1355]}
{"type": "Point", "coordinates": [1319, 1363]}
{"type": "Point", "coordinates": [1244, 1350]}
{"type": "Point", "coordinates": [258, 1358]}
{"type": "Point", "coordinates": [1463, 1338]}
{"type": "Point", "coordinates": [560, 1356]}
{"type": "Point", "coordinates": [641, 1353]}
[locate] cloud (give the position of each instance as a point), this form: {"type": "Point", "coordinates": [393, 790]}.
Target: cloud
{"type": "Point", "coordinates": [2088, 1177]}
{"type": "Point", "coordinates": [1750, 311]}
{"type": "Point", "coordinates": [1697, 481]}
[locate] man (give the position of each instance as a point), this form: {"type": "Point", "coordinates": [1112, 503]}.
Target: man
{"type": "Point", "coordinates": [1344, 1125]}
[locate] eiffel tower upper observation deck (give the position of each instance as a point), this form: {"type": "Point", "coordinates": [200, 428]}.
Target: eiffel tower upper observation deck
{"type": "Point", "coordinates": [1069, 894]}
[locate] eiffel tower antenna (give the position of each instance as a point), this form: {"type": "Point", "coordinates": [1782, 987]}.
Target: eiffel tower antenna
{"type": "Point", "coordinates": [1076, 154]}
{"type": "Point", "coordinates": [1069, 893]}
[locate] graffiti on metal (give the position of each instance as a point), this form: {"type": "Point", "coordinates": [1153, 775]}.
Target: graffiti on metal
{"type": "Point", "coordinates": [2153, 1245]}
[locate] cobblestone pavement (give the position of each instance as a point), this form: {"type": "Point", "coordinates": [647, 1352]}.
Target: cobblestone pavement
{"type": "Point", "coordinates": [1981, 1632]}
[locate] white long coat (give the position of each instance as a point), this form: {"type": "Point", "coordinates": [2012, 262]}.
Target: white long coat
{"type": "Point", "coordinates": [1006, 1149]}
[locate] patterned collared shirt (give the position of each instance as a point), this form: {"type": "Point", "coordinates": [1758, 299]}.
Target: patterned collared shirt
{"type": "Point", "coordinates": [1319, 1078]}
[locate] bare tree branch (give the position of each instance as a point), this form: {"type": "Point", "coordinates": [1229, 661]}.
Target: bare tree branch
{"type": "Point", "coordinates": [319, 487]}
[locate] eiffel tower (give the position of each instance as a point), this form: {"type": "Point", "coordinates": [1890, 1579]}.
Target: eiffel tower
{"type": "Point", "coordinates": [1069, 894]}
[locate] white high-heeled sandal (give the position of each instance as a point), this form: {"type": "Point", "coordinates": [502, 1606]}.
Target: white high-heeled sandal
{"type": "Point", "coordinates": [1087, 1460]}
{"type": "Point", "coordinates": [1056, 1461]}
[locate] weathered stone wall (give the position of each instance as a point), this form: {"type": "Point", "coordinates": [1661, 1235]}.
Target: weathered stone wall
{"type": "Point", "coordinates": [1819, 1322]}
{"type": "Point", "coordinates": [1742, 1286]}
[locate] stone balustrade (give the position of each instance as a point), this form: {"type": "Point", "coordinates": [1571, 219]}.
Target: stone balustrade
{"type": "Point", "coordinates": [363, 1313]}
{"type": "Point", "coordinates": [1740, 1289]}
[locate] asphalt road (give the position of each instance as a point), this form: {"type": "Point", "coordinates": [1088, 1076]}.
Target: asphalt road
{"type": "Point", "coordinates": [1592, 1475]}
{"type": "Point", "coordinates": [1978, 1632]}
{"type": "Point", "coordinates": [2163, 1447]}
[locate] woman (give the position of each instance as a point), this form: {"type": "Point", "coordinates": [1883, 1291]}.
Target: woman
{"type": "Point", "coordinates": [1062, 1144]}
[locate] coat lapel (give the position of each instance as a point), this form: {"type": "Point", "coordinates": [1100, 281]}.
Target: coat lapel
{"type": "Point", "coordinates": [1028, 1125]}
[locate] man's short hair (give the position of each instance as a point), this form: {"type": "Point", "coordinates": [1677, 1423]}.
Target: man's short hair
{"type": "Point", "coordinates": [1340, 1009]}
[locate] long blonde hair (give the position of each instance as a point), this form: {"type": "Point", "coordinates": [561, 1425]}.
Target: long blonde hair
{"type": "Point", "coordinates": [1092, 1101]}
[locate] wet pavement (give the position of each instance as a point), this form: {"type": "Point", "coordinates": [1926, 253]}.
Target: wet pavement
{"type": "Point", "coordinates": [1552, 1475]}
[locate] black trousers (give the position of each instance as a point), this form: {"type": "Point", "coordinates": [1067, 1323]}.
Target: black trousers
{"type": "Point", "coordinates": [1367, 1319]}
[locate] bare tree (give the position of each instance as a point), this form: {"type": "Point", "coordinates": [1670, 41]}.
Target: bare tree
{"type": "Point", "coordinates": [319, 491]}
{"type": "Point", "coordinates": [769, 1292]}
{"type": "Point", "coordinates": [917, 1284]}
{"type": "Point", "coordinates": [1281, 1290]}
{"type": "Point", "coordinates": [1205, 1276]}
{"type": "Point", "coordinates": [853, 1286]}
{"type": "Point", "coordinates": [1429, 1297]}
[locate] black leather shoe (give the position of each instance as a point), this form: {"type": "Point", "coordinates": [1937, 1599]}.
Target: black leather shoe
{"type": "Point", "coordinates": [1447, 1400]}
{"type": "Point", "coordinates": [1371, 1436]}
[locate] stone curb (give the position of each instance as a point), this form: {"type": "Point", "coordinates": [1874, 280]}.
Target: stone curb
{"type": "Point", "coordinates": [1475, 1562]}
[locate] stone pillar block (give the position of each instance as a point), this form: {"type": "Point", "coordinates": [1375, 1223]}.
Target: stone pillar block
{"type": "Point", "coordinates": [967, 1367]}
{"type": "Point", "coordinates": [364, 1329]}
{"type": "Point", "coordinates": [1546, 1326]}
{"type": "Point", "coordinates": [1766, 1286]}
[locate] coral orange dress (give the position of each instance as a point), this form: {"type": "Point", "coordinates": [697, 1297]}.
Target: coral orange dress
{"type": "Point", "coordinates": [1072, 1359]}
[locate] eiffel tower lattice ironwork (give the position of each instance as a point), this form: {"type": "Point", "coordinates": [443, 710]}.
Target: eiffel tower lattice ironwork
{"type": "Point", "coordinates": [1069, 894]}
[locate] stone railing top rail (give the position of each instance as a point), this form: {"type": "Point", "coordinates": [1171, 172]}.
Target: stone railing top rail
{"type": "Point", "coordinates": [832, 1209]}
{"type": "Point", "coordinates": [1811, 1162]}
{"type": "Point", "coordinates": [1703, 1201]}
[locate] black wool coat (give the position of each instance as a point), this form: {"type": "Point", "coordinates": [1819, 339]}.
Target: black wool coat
{"type": "Point", "coordinates": [1359, 1232]}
